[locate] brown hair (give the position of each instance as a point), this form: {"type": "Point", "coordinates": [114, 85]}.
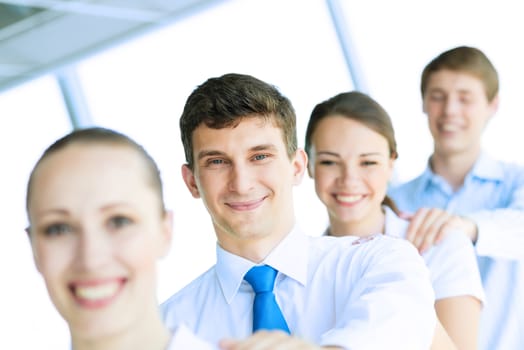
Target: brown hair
{"type": "Point", "coordinates": [222, 102]}
{"type": "Point", "coordinates": [468, 60]}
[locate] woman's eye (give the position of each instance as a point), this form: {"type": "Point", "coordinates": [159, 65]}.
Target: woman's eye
{"type": "Point", "coordinates": [369, 162]}
{"type": "Point", "coordinates": [57, 229]}
{"type": "Point", "coordinates": [119, 221]}
{"type": "Point", "coordinates": [326, 162]}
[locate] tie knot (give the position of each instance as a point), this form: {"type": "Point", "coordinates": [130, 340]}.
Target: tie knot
{"type": "Point", "coordinates": [261, 278]}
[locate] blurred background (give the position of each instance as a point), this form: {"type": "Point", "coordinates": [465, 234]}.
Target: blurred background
{"type": "Point", "coordinates": [129, 65]}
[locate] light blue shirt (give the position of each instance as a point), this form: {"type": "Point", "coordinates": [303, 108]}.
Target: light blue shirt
{"type": "Point", "coordinates": [371, 293]}
{"type": "Point", "coordinates": [493, 196]}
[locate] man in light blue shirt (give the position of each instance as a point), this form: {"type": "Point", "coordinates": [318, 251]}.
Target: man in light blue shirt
{"type": "Point", "coordinates": [464, 188]}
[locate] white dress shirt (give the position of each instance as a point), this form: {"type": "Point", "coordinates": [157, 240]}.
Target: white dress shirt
{"type": "Point", "coordinates": [373, 293]}
{"type": "Point", "coordinates": [452, 263]}
{"type": "Point", "coordinates": [184, 339]}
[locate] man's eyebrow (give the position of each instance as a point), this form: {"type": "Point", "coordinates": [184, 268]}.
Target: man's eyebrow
{"type": "Point", "coordinates": [464, 91]}
{"type": "Point", "coordinates": [214, 153]}
{"type": "Point", "coordinates": [209, 153]}
{"type": "Point", "coordinates": [263, 147]}
{"type": "Point", "coordinates": [436, 89]}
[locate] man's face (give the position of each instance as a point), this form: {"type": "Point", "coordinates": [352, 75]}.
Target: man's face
{"type": "Point", "coordinates": [458, 110]}
{"type": "Point", "coordinates": [245, 178]}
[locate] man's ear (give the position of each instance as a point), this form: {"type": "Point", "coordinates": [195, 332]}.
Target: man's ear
{"type": "Point", "coordinates": [494, 105]}
{"type": "Point", "coordinates": [190, 181]}
{"type": "Point", "coordinates": [299, 165]}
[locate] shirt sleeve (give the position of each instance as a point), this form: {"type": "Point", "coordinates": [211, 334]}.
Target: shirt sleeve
{"type": "Point", "coordinates": [501, 231]}
{"type": "Point", "coordinates": [385, 303]}
{"type": "Point", "coordinates": [453, 268]}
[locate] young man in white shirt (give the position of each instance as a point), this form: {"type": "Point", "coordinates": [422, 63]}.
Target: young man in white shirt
{"type": "Point", "coordinates": [239, 136]}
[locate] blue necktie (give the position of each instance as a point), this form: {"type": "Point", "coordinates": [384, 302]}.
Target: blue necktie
{"type": "Point", "coordinates": [266, 312]}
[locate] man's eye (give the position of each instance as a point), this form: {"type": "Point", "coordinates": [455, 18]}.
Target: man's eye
{"type": "Point", "coordinates": [214, 162]}
{"type": "Point", "coordinates": [260, 157]}
{"type": "Point", "coordinates": [436, 97]}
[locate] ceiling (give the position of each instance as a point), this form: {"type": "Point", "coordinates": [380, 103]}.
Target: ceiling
{"type": "Point", "coordinates": [39, 36]}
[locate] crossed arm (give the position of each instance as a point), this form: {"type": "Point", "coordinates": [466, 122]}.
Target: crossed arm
{"type": "Point", "coordinates": [270, 340]}
{"type": "Point", "coordinates": [276, 340]}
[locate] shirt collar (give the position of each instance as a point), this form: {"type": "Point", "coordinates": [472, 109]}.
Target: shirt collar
{"type": "Point", "coordinates": [231, 268]}
{"type": "Point", "coordinates": [485, 168]}
{"type": "Point", "coordinates": [427, 178]}
{"type": "Point", "coordinates": [394, 226]}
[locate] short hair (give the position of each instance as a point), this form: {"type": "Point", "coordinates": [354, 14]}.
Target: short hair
{"type": "Point", "coordinates": [100, 136]}
{"type": "Point", "coordinates": [222, 102]}
{"type": "Point", "coordinates": [467, 60]}
{"type": "Point", "coordinates": [361, 108]}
